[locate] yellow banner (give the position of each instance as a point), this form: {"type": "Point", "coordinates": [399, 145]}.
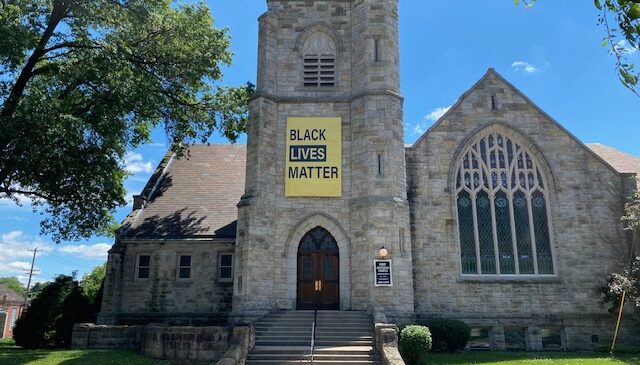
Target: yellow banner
{"type": "Point", "coordinates": [314, 157]}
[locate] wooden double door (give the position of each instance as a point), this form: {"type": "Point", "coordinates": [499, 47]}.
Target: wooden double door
{"type": "Point", "coordinates": [318, 271]}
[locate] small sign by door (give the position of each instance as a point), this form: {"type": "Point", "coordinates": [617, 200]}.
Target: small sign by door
{"type": "Point", "coordinates": [382, 273]}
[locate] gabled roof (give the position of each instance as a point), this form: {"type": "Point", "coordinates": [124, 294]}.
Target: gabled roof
{"type": "Point", "coordinates": [621, 161]}
{"type": "Point", "coordinates": [493, 73]}
{"type": "Point", "coordinates": [193, 196]}
{"type": "Point", "coordinates": [8, 296]}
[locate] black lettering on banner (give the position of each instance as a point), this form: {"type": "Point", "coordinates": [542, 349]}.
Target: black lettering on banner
{"type": "Point", "coordinates": [308, 153]}
{"type": "Point", "coordinates": [297, 135]}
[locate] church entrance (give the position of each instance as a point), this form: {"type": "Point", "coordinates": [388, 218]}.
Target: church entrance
{"type": "Point", "coordinates": [318, 271]}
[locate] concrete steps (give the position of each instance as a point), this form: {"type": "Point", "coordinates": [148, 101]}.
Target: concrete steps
{"type": "Point", "coordinates": [284, 337]}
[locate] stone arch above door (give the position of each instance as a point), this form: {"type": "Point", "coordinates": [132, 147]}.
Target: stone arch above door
{"type": "Point", "coordinates": [291, 256]}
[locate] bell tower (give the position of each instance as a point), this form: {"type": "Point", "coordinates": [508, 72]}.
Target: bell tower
{"type": "Point", "coordinates": [325, 66]}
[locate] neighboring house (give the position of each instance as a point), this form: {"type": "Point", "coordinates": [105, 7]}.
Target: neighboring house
{"type": "Point", "coordinates": [11, 304]}
{"type": "Point", "coordinates": [497, 215]}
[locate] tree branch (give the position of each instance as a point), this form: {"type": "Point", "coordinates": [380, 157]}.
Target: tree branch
{"type": "Point", "coordinates": [59, 11]}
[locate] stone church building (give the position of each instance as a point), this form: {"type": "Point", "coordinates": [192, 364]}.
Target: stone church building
{"type": "Point", "coordinates": [497, 216]}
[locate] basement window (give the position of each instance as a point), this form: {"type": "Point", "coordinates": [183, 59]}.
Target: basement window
{"type": "Point", "coordinates": [514, 338]}
{"type": "Point", "coordinates": [479, 340]}
{"type": "Point", "coordinates": [551, 339]}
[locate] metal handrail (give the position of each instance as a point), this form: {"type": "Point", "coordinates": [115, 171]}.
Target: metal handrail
{"type": "Point", "coordinates": [313, 335]}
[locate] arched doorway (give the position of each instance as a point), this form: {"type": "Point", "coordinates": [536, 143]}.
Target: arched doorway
{"type": "Point", "coordinates": [318, 271]}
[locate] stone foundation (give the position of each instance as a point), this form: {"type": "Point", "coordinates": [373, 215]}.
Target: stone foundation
{"type": "Point", "coordinates": [183, 344]}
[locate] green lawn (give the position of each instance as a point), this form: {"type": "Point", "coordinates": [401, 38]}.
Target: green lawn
{"type": "Point", "coordinates": [13, 355]}
{"type": "Point", "coordinates": [521, 358]}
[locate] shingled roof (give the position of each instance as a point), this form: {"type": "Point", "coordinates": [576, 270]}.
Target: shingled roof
{"type": "Point", "coordinates": [621, 161]}
{"type": "Point", "coordinates": [193, 196]}
{"type": "Point", "coordinates": [8, 296]}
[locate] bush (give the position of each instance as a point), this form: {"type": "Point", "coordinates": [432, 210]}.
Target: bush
{"type": "Point", "coordinates": [75, 309]}
{"type": "Point", "coordinates": [48, 321]}
{"type": "Point", "coordinates": [415, 341]}
{"type": "Point", "coordinates": [36, 327]}
{"type": "Point", "coordinates": [448, 334]}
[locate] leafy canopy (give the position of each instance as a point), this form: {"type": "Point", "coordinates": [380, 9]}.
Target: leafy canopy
{"type": "Point", "coordinates": [84, 81]}
{"type": "Point", "coordinates": [621, 22]}
{"type": "Point", "coordinates": [92, 282]}
{"type": "Point", "coordinates": [14, 284]}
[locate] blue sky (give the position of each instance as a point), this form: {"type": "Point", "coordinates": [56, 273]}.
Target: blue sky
{"type": "Point", "coordinates": [553, 53]}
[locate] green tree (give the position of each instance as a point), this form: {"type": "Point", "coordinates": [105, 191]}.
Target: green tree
{"type": "Point", "coordinates": [14, 284]}
{"type": "Point", "coordinates": [84, 81]}
{"type": "Point", "coordinates": [36, 328]}
{"type": "Point", "coordinates": [621, 22]}
{"type": "Point", "coordinates": [92, 282]}
{"type": "Point", "coordinates": [76, 308]}
{"type": "Point", "coordinates": [629, 281]}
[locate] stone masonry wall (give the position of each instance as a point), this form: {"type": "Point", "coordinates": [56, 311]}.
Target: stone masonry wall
{"type": "Point", "coordinates": [180, 344]}
{"type": "Point", "coordinates": [202, 299]}
{"type": "Point", "coordinates": [585, 200]}
{"type": "Point", "coordinates": [373, 210]}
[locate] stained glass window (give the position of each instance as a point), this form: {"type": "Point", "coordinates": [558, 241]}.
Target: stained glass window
{"type": "Point", "coordinates": [503, 217]}
{"type": "Point", "coordinates": [318, 239]}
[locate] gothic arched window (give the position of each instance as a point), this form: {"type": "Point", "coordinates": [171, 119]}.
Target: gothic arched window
{"type": "Point", "coordinates": [319, 54]}
{"type": "Point", "coordinates": [501, 203]}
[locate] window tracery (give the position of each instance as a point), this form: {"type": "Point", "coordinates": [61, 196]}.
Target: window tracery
{"type": "Point", "coordinates": [501, 204]}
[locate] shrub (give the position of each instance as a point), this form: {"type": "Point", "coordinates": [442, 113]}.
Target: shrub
{"type": "Point", "coordinates": [49, 320]}
{"type": "Point", "coordinates": [36, 327]}
{"type": "Point", "coordinates": [415, 341]}
{"type": "Point", "coordinates": [448, 334]}
{"type": "Point", "coordinates": [75, 309]}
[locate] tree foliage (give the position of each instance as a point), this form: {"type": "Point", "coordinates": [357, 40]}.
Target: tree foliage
{"type": "Point", "coordinates": [14, 284]}
{"type": "Point", "coordinates": [629, 281]}
{"type": "Point", "coordinates": [36, 327]}
{"type": "Point", "coordinates": [92, 282]}
{"type": "Point", "coordinates": [84, 81]}
{"type": "Point", "coordinates": [621, 22]}
{"type": "Point", "coordinates": [49, 320]}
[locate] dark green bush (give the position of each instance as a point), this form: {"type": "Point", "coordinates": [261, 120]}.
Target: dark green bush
{"type": "Point", "coordinates": [415, 341]}
{"type": "Point", "coordinates": [36, 327]}
{"type": "Point", "coordinates": [448, 334]}
{"type": "Point", "coordinates": [75, 309]}
{"type": "Point", "coordinates": [48, 321]}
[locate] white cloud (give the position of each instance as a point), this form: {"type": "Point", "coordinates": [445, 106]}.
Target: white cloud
{"type": "Point", "coordinates": [625, 48]}
{"type": "Point", "coordinates": [19, 266]}
{"type": "Point", "coordinates": [429, 119]}
{"type": "Point", "coordinates": [156, 144]}
{"type": "Point", "coordinates": [525, 67]}
{"type": "Point", "coordinates": [134, 163]}
{"type": "Point", "coordinates": [96, 251]}
{"type": "Point", "coordinates": [15, 257]}
{"type": "Point", "coordinates": [23, 201]}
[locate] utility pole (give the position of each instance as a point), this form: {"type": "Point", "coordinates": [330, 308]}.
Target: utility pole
{"type": "Point", "coordinates": [33, 261]}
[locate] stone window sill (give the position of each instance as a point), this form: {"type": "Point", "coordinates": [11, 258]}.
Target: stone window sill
{"type": "Point", "coordinates": [509, 279]}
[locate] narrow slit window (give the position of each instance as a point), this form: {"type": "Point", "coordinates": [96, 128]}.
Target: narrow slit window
{"type": "Point", "coordinates": [494, 102]}
{"type": "Point", "coordinates": [401, 240]}
{"type": "Point", "coordinates": [184, 269]}
{"type": "Point", "coordinates": [380, 165]}
{"type": "Point", "coordinates": [377, 53]}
